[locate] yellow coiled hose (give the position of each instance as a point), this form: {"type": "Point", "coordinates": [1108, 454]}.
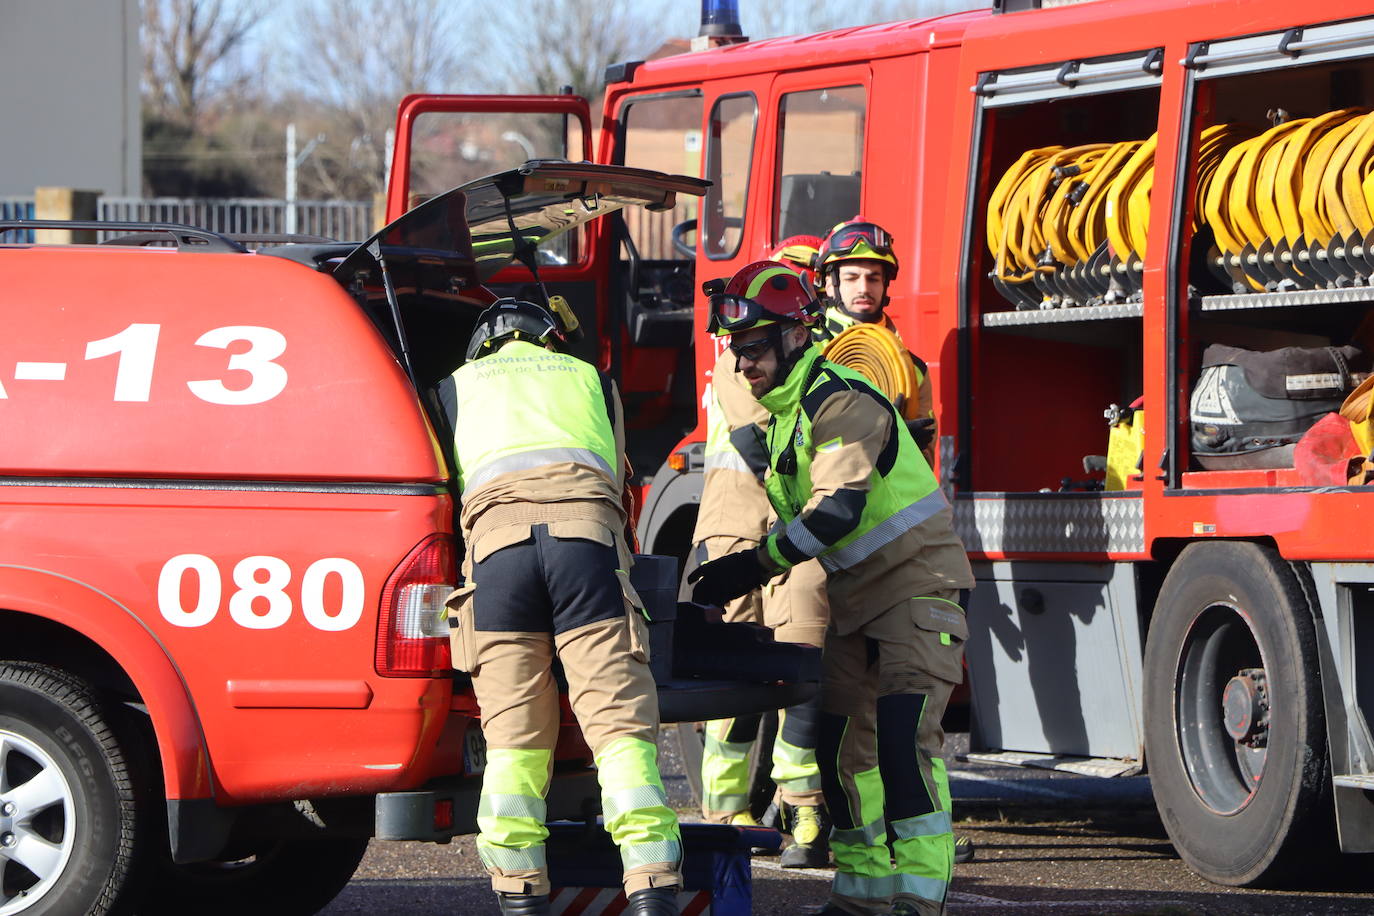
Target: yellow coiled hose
{"type": "Point", "coordinates": [877, 353]}
{"type": "Point", "coordinates": [1267, 195]}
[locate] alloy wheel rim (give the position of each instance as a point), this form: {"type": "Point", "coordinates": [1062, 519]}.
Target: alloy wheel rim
{"type": "Point", "coordinates": [37, 822]}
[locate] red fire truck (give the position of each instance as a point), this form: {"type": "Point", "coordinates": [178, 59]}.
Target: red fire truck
{"type": "Point", "coordinates": [1206, 615]}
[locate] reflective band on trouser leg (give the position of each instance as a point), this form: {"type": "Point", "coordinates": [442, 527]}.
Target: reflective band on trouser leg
{"type": "Point", "coordinates": [795, 770]}
{"type": "Point", "coordinates": [725, 768]}
{"type": "Point", "coordinates": [917, 801]}
{"type": "Point", "coordinates": [794, 754]}
{"type": "Point", "coordinates": [510, 818]}
{"type": "Point", "coordinates": [637, 814]}
{"type": "Point", "coordinates": [863, 863]}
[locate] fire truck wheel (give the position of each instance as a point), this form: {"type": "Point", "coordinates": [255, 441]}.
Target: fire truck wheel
{"type": "Point", "coordinates": [277, 878]}
{"type": "Point", "coordinates": [1235, 735]}
{"type": "Point", "coordinates": [68, 811]}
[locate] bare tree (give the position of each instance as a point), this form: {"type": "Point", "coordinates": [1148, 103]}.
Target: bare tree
{"type": "Point", "coordinates": [361, 58]}
{"type": "Point", "coordinates": [569, 43]}
{"type": "Point", "coordinates": [190, 54]}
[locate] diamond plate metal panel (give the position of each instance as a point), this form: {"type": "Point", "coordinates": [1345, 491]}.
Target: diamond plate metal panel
{"type": "Point", "coordinates": [1062, 315]}
{"type": "Point", "coordinates": [1361, 295]}
{"type": "Point", "coordinates": [1051, 523]}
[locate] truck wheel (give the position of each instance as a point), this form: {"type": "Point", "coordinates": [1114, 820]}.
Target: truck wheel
{"type": "Point", "coordinates": [1235, 735]}
{"type": "Point", "coordinates": [68, 814]}
{"type": "Point", "coordinates": [293, 877]}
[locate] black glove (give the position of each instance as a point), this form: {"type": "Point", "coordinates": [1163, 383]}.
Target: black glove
{"type": "Point", "coordinates": [729, 577]}
{"type": "Point", "coordinates": [922, 430]}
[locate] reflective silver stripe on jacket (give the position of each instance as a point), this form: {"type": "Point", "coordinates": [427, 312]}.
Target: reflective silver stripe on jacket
{"type": "Point", "coordinates": [802, 538]}
{"type": "Point", "coordinates": [727, 460]}
{"type": "Point", "coordinates": [526, 461]}
{"type": "Point", "coordinates": [885, 533]}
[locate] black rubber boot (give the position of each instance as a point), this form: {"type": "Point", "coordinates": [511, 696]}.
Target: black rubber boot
{"type": "Point", "coordinates": [523, 904]}
{"type": "Point", "coordinates": [654, 901]}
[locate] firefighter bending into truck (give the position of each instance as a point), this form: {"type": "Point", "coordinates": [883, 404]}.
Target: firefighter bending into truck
{"type": "Point", "coordinates": [851, 488]}
{"type": "Point", "coordinates": [734, 515]}
{"type": "Point", "coordinates": [854, 266]}
{"type": "Point", "coordinates": [539, 450]}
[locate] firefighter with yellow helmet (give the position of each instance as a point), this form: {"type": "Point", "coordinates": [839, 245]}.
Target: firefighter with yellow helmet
{"type": "Point", "coordinates": [855, 265]}
{"type": "Point", "coordinates": [851, 488]}
{"type": "Point", "coordinates": [539, 448]}
{"type": "Point", "coordinates": [734, 515]}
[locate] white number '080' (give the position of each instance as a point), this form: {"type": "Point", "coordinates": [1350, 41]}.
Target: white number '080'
{"type": "Point", "coordinates": [260, 603]}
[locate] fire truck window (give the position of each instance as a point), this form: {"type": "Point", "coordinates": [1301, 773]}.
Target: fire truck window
{"type": "Point", "coordinates": [449, 149]}
{"type": "Point", "coordinates": [663, 134]}
{"type": "Point", "coordinates": [821, 152]}
{"type": "Point", "coordinates": [730, 150]}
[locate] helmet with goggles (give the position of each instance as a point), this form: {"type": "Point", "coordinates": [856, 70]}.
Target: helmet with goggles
{"type": "Point", "coordinates": [856, 240]}
{"type": "Point", "coordinates": [759, 294]}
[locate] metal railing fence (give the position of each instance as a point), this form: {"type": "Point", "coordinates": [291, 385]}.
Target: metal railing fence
{"type": "Point", "coordinates": [17, 208]}
{"type": "Point", "coordinates": [342, 220]}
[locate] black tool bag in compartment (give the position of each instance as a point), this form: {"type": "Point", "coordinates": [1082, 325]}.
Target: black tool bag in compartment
{"type": "Point", "coordinates": [1249, 408]}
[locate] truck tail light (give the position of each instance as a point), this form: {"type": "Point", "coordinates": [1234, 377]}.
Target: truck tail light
{"type": "Point", "coordinates": [412, 629]}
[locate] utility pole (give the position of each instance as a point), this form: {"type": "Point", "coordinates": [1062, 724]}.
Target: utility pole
{"type": "Point", "coordinates": [293, 161]}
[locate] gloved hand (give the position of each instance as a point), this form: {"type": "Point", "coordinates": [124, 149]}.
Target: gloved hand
{"type": "Point", "coordinates": [729, 577]}
{"type": "Point", "coordinates": [922, 430]}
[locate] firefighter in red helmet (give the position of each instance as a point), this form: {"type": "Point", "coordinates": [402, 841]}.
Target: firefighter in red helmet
{"type": "Point", "coordinates": [851, 488]}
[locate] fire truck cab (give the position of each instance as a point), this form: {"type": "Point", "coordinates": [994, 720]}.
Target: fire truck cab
{"type": "Point", "coordinates": [1087, 201]}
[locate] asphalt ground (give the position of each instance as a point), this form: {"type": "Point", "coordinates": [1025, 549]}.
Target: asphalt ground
{"type": "Point", "coordinates": [1047, 843]}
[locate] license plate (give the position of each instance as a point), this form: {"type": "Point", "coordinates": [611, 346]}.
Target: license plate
{"type": "Point", "coordinates": [474, 751]}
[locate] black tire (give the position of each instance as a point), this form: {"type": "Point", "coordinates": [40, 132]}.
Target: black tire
{"type": "Point", "coordinates": [1248, 805]}
{"type": "Point", "coordinates": [55, 733]}
{"type": "Point", "coordinates": [293, 877]}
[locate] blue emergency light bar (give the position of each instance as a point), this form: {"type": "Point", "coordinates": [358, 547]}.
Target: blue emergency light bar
{"type": "Point", "coordinates": [720, 17]}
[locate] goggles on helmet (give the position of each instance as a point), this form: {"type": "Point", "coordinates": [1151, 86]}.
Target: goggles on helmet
{"type": "Point", "coordinates": [759, 294]}
{"type": "Point", "coordinates": [853, 237]}
{"type": "Point", "coordinates": [730, 314]}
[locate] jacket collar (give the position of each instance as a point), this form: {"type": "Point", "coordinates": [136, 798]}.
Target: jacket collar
{"type": "Point", "coordinates": [788, 394]}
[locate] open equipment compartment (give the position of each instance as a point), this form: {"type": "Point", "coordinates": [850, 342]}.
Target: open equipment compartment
{"type": "Point", "coordinates": [1053, 317]}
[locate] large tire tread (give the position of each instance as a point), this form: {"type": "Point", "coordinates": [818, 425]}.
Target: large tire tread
{"type": "Point", "coordinates": [1285, 833]}
{"type": "Point", "coordinates": [77, 699]}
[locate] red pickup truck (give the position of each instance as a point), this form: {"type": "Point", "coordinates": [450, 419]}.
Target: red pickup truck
{"type": "Point", "coordinates": [226, 542]}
